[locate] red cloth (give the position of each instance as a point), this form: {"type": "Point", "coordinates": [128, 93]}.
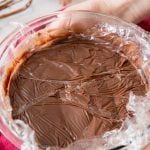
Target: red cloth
{"type": "Point", "coordinates": [145, 24]}
{"type": "Point", "coordinates": [6, 145]}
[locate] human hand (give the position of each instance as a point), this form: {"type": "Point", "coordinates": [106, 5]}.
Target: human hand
{"type": "Point", "coordinates": [65, 2]}
{"type": "Point", "coordinates": [130, 10]}
{"type": "Point", "coordinates": [147, 147]}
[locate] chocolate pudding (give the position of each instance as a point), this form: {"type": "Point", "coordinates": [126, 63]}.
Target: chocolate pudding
{"type": "Point", "coordinates": [74, 89]}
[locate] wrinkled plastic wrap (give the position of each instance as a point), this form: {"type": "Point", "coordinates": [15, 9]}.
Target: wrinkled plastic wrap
{"type": "Point", "coordinates": [135, 131]}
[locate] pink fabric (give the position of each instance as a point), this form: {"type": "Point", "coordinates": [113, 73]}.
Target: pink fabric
{"type": "Point", "coordinates": [6, 145]}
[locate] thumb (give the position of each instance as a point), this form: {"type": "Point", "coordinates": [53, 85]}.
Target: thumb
{"type": "Point", "coordinates": [73, 22]}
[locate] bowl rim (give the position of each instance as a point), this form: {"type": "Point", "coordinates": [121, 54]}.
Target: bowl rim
{"type": "Point", "coordinates": [9, 38]}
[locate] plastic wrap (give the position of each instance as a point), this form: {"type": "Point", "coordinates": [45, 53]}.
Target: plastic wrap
{"type": "Point", "coordinates": [135, 131]}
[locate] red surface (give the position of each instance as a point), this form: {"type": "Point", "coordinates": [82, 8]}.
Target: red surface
{"type": "Point", "coordinates": [145, 24]}
{"type": "Point", "coordinates": [6, 145]}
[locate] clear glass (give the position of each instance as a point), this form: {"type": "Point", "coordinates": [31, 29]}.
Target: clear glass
{"type": "Point", "coordinates": [13, 40]}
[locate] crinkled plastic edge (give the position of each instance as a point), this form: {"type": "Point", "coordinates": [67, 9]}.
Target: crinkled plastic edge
{"type": "Point", "coordinates": [126, 31]}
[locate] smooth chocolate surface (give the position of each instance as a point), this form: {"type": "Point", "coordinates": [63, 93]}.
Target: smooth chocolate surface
{"type": "Point", "coordinates": [73, 90]}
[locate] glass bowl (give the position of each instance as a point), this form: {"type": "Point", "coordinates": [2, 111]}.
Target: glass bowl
{"type": "Point", "coordinates": [14, 39]}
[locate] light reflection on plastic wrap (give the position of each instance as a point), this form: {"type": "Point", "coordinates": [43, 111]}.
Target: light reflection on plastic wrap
{"type": "Point", "coordinates": [135, 132]}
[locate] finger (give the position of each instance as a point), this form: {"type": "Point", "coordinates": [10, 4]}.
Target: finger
{"type": "Point", "coordinates": [86, 5]}
{"type": "Point", "coordinates": [65, 2]}
{"type": "Point", "coordinates": [73, 21]}
{"type": "Point", "coordinates": [147, 147]}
